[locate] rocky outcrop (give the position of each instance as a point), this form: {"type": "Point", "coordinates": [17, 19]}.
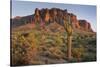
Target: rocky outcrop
{"type": "Point", "coordinates": [84, 25]}
{"type": "Point", "coordinates": [37, 16]}
{"type": "Point", "coordinates": [57, 15]}
{"type": "Point", "coordinates": [75, 22]}
{"type": "Point", "coordinates": [47, 16]}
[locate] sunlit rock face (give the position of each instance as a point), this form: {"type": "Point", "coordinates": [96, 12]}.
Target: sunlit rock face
{"type": "Point", "coordinates": [37, 17]}
{"type": "Point", "coordinates": [57, 15]}
{"type": "Point", "coordinates": [53, 15]}
{"type": "Point", "coordinates": [75, 22]}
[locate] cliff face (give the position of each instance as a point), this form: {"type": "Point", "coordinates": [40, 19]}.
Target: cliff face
{"type": "Point", "coordinates": [75, 22]}
{"type": "Point", "coordinates": [57, 15]}
{"type": "Point", "coordinates": [84, 25]}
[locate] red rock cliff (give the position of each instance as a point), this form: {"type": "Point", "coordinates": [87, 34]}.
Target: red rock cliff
{"type": "Point", "coordinates": [57, 15]}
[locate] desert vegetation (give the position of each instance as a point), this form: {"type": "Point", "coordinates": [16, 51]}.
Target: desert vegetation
{"type": "Point", "coordinates": [38, 42]}
{"type": "Point", "coordinates": [38, 46]}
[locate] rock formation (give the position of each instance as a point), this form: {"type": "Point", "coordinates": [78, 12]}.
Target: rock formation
{"type": "Point", "coordinates": [75, 22]}
{"type": "Point", "coordinates": [54, 15]}
{"type": "Point", "coordinates": [84, 25]}
{"type": "Point", "coordinates": [57, 15]}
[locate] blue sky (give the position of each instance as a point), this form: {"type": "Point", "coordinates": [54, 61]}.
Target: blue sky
{"type": "Point", "coordinates": [87, 12]}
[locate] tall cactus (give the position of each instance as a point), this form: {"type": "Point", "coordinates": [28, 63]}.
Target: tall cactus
{"type": "Point", "coordinates": [69, 30]}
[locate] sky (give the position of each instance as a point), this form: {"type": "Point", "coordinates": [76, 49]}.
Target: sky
{"type": "Point", "coordinates": [87, 12]}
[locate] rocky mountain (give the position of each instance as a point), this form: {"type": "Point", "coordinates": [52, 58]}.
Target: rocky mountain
{"type": "Point", "coordinates": [52, 15]}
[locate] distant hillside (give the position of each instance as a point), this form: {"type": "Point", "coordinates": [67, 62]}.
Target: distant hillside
{"type": "Point", "coordinates": [18, 21]}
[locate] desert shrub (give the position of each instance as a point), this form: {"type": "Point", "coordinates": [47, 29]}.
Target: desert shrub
{"type": "Point", "coordinates": [24, 49]}
{"type": "Point", "coordinates": [78, 52]}
{"type": "Point", "coordinates": [88, 56]}
{"type": "Point", "coordinates": [63, 48]}
{"type": "Point", "coordinates": [92, 41]}
{"type": "Point", "coordinates": [56, 53]}
{"type": "Point", "coordinates": [58, 40]}
{"type": "Point", "coordinates": [53, 40]}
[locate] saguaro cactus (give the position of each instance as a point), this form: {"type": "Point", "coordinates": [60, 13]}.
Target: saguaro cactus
{"type": "Point", "coordinates": [69, 30]}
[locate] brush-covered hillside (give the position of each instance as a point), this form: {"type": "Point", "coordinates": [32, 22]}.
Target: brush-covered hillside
{"type": "Point", "coordinates": [41, 38]}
